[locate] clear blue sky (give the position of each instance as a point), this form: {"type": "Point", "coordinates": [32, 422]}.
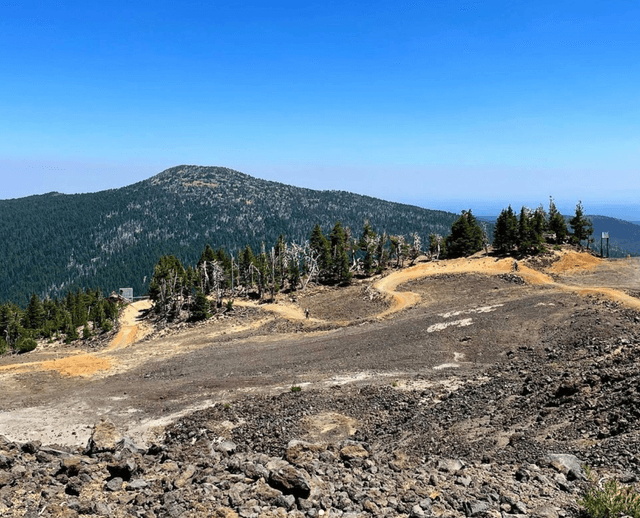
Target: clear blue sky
{"type": "Point", "coordinates": [445, 104]}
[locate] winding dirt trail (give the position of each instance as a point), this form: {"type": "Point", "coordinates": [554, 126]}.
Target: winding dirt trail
{"type": "Point", "coordinates": [288, 311]}
{"type": "Point", "coordinates": [78, 363]}
{"type": "Point", "coordinates": [570, 263]}
{"type": "Point", "coordinates": [566, 274]}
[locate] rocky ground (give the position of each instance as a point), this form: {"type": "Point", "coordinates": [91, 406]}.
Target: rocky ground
{"type": "Point", "coordinates": [554, 387]}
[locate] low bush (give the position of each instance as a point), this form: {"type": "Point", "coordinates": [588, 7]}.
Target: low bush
{"type": "Point", "coordinates": [611, 501]}
{"type": "Point", "coordinates": [25, 344]}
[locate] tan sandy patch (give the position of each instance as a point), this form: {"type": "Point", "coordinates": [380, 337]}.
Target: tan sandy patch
{"type": "Point", "coordinates": [571, 262]}
{"type": "Point", "coordinates": [329, 426]}
{"type": "Point", "coordinates": [81, 365]}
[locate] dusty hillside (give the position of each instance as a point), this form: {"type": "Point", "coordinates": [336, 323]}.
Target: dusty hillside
{"type": "Point", "coordinates": [442, 389]}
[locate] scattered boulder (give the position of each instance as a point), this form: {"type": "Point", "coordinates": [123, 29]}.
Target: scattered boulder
{"type": "Point", "coordinates": [569, 465]}
{"type": "Point", "coordinates": [290, 481]}
{"type": "Point", "coordinates": [104, 438]}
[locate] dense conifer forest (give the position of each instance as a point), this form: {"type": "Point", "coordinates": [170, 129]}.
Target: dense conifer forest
{"type": "Point", "coordinates": [80, 314]}
{"type": "Point", "coordinates": [55, 242]}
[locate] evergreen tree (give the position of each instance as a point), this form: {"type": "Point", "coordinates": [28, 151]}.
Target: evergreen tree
{"type": "Point", "coordinates": [557, 223]}
{"type": "Point", "coordinates": [381, 255]}
{"type": "Point", "coordinates": [200, 309]}
{"type": "Point", "coordinates": [34, 315]}
{"type": "Point", "coordinates": [280, 263]}
{"type": "Point", "coordinates": [321, 246]}
{"type": "Point", "coordinates": [246, 260]}
{"type": "Point", "coordinates": [582, 227]}
{"type": "Point", "coordinates": [524, 231]}
{"type": "Point", "coordinates": [339, 256]}
{"type": "Point", "coordinates": [466, 236]}
{"type": "Point", "coordinates": [505, 233]}
{"type": "Point", "coordinates": [367, 244]}
{"type": "Point", "coordinates": [293, 273]}
{"type": "Point", "coordinates": [262, 267]}
{"type": "Point", "coordinates": [70, 330]}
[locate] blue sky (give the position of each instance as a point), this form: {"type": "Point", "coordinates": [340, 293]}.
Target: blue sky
{"type": "Point", "coordinates": [450, 104]}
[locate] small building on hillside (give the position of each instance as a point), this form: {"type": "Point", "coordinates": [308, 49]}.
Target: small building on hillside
{"type": "Point", "coordinates": [127, 294]}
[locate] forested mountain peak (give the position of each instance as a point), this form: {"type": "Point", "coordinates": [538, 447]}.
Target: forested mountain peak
{"type": "Point", "coordinates": [112, 239]}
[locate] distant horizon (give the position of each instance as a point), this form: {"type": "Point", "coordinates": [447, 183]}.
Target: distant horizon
{"type": "Point", "coordinates": [445, 104]}
{"type": "Point", "coordinates": [485, 208]}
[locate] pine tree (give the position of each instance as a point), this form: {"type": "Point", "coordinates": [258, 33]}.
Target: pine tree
{"type": "Point", "coordinates": [339, 256]}
{"type": "Point", "coordinates": [245, 263]}
{"type": "Point", "coordinates": [524, 231]}
{"type": "Point", "coordinates": [382, 255]}
{"type": "Point", "coordinates": [557, 223]}
{"type": "Point", "coordinates": [466, 236]}
{"type": "Point", "coordinates": [505, 233]}
{"type": "Point", "coordinates": [582, 227]}
{"type": "Point", "coordinates": [367, 244]}
{"type": "Point", "coordinates": [34, 315]}
{"type": "Point", "coordinates": [321, 246]}
{"type": "Point", "coordinates": [293, 273]}
{"type": "Point", "coordinates": [166, 288]}
{"type": "Point", "coordinates": [200, 309]}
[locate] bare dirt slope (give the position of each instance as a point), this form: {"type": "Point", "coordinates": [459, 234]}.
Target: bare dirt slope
{"type": "Point", "coordinates": [433, 320]}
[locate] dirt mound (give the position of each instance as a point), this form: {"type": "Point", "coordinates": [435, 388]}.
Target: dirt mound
{"type": "Point", "coordinates": [572, 262]}
{"type": "Point", "coordinates": [342, 304]}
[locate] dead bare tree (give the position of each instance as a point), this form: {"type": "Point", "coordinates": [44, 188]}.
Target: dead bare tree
{"type": "Point", "coordinates": [435, 246]}
{"type": "Point", "coordinates": [398, 247]}
{"type": "Point", "coordinates": [416, 247]}
{"type": "Point", "coordinates": [309, 258]}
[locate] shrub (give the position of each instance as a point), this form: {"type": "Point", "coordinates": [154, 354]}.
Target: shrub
{"type": "Point", "coordinates": [3, 346]}
{"type": "Point", "coordinates": [295, 388]}
{"type": "Point", "coordinates": [107, 326]}
{"type": "Point", "coordinates": [611, 501]}
{"type": "Point", "coordinates": [25, 344]}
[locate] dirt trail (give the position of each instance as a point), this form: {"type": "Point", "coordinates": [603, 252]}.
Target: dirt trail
{"type": "Point", "coordinates": [568, 270]}
{"type": "Point", "coordinates": [131, 328]}
{"type": "Point", "coordinates": [476, 264]}
{"type": "Point", "coordinates": [76, 363]}
{"type": "Point", "coordinates": [288, 311]}
{"type": "Point", "coordinates": [569, 264]}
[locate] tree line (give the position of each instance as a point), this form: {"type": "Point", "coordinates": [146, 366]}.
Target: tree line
{"type": "Point", "coordinates": [82, 313]}
{"type": "Point", "coordinates": [328, 259]}
{"type": "Point", "coordinates": [524, 234]}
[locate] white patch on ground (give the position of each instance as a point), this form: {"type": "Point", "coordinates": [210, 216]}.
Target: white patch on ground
{"type": "Point", "coordinates": [544, 304]}
{"type": "Point", "coordinates": [349, 378]}
{"type": "Point", "coordinates": [443, 325]}
{"type": "Point", "coordinates": [458, 357]}
{"type": "Point", "coordinates": [443, 366]}
{"type": "Point", "coordinates": [482, 309]}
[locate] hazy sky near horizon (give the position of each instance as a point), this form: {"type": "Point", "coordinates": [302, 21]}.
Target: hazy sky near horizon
{"type": "Point", "coordinates": [444, 104]}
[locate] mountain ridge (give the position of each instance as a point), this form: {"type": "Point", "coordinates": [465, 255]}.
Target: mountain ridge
{"type": "Point", "coordinates": [113, 238]}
